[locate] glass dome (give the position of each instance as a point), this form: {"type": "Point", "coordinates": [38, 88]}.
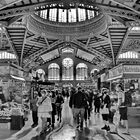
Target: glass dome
{"type": "Point", "coordinates": [68, 14]}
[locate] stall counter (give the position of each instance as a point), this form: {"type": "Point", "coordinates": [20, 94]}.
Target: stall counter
{"type": "Point", "coordinates": [134, 117]}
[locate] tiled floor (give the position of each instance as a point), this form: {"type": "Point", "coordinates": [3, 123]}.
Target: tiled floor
{"type": "Point", "coordinates": [92, 132]}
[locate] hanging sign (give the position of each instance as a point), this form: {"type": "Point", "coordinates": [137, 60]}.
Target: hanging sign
{"type": "Point", "coordinates": [131, 69]}
{"type": "Point", "coordinates": [132, 45]}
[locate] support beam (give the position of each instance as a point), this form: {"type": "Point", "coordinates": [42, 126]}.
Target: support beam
{"type": "Point", "coordinates": [31, 8]}
{"type": "Point", "coordinates": [112, 51]}
{"type": "Point", "coordinates": [100, 43]}
{"type": "Point", "coordinates": [126, 6]}
{"type": "Point", "coordinates": [36, 54]}
{"type": "Point", "coordinates": [12, 45]}
{"type": "Point", "coordinates": [35, 43]}
{"type": "Point", "coordinates": [102, 37]}
{"type": "Point", "coordinates": [91, 50]}
{"type": "Point", "coordinates": [48, 46]}
{"type": "Point", "coordinates": [88, 40]}
{"type": "Point", "coordinates": [8, 3]}
{"type": "Point", "coordinates": [120, 12]}
{"type": "Point", "coordinates": [118, 19]}
{"type": "Point", "coordinates": [23, 45]}
{"type": "Point", "coordinates": [123, 42]}
{"type": "Point", "coordinates": [14, 19]}
{"type": "Point", "coordinates": [32, 37]}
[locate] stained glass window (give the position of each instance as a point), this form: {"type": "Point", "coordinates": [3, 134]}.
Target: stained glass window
{"type": "Point", "coordinates": [67, 72]}
{"type": "Point", "coordinates": [62, 15]}
{"type": "Point", "coordinates": [6, 55]}
{"type": "Point", "coordinates": [81, 71]}
{"type": "Point", "coordinates": [53, 14]}
{"type": "Point", "coordinates": [53, 72]}
{"type": "Point", "coordinates": [129, 54]}
{"type": "Point", "coordinates": [81, 14]}
{"type": "Point", "coordinates": [43, 14]}
{"type": "Point", "coordinates": [72, 15]}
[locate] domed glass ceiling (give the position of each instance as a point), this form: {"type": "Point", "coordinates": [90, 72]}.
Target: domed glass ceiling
{"type": "Point", "coordinates": [73, 13]}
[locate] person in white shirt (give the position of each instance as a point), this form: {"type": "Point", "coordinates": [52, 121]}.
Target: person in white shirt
{"type": "Point", "coordinates": [45, 110]}
{"type": "Point", "coordinates": [122, 107]}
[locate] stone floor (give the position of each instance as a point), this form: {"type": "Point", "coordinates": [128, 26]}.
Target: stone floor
{"type": "Point", "coordinates": [64, 131]}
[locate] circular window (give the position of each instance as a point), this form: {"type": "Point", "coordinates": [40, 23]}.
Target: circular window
{"type": "Point", "coordinates": [67, 62]}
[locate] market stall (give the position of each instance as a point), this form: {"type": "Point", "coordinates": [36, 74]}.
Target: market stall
{"type": "Point", "coordinates": [11, 115]}
{"type": "Point", "coordinates": [127, 75]}
{"type": "Point", "coordinates": [12, 85]}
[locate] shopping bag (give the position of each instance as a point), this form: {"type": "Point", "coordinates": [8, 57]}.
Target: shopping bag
{"type": "Point", "coordinates": [105, 110]}
{"type": "Point", "coordinates": [116, 118]}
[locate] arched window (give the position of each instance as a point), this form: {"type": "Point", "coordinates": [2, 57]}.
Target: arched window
{"type": "Point", "coordinates": [81, 71]}
{"type": "Point", "coordinates": [53, 72]}
{"type": "Point", "coordinates": [40, 73]}
{"type": "Point", "coordinates": [129, 54]}
{"type": "Point", "coordinates": [6, 55]}
{"type": "Point", "coordinates": [67, 65]}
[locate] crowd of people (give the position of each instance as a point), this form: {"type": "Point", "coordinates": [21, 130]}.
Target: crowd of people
{"type": "Point", "coordinates": [81, 103]}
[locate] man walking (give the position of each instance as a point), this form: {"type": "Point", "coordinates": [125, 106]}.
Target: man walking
{"type": "Point", "coordinates": [34, 108]}
{"type": "Point", "coordinates": [79, 102]}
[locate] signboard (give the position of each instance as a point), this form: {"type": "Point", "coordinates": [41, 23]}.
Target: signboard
{"type": "Point", "coordinates": [115, 72]}
{"type": "Point", "coordinates": [131, 45]}
{"type": "Point", "coordinates": [16, 72]}
{"type": "Point", "coordinates": [124, 69]}
{"type": "Point", "coordinates": [131, 69]}
{"type": "Point", "coordinates": [4, 70]}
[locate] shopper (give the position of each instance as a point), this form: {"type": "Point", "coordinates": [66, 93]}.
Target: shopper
{"type": "Point", "coordinates": [45, 110]}
{"type": "Point", "coordinates": [124, 101]}
{"type": "Point", "coordinates": [97, 103]}
{"type": "Point", "coordinates": [105, 110]}
{"type": "Point", "coordinates": [34, 108]}
{"type": "Point", "coordinates": [53, 99]}
{"type": "Point", "coordinates": [78, 104]}
{"type": "Point", "coordinates": [59, 102]}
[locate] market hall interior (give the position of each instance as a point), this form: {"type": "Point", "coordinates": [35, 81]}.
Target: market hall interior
{"type": "Point", "coordinates": [55, 46]}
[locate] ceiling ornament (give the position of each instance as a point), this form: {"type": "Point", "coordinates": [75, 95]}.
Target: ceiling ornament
{"type": "Point", "coordinates": [59, 30]}
{"type": "Point", "coordinates": [67, 62]}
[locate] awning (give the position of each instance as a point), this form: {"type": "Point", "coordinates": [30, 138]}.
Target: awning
{"type": "Point", "coordinates": [17, 78]}
{"type": "Point", "coordinates": [114, 78]}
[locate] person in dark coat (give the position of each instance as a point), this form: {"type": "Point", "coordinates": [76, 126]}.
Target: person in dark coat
{"type": "Point", "coordinates": [34, 108]}
{"type": "Point", "coordinates": [59, 101]}
{"type": "Point", "coordinates": [73, 91]}
{"type": "Point", "coordinates": [78, 104]}
{"type": "Point", "coordinates": [97, 103]}
{"type": "Point", "coordinates": [105, 110]}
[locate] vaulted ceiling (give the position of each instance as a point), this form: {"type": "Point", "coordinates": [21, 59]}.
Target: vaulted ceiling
{"type": "Point", "coordinates": [21, 35]}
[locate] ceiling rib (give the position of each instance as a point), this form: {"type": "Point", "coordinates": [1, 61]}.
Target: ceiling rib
{"type": "Point", "coordinates": [93, 51]}
{"type": "Point", "coordinates": [14, 19]}
{"type": "Point", "coordinates": [120, 12]}
{"type": "Point", "coordinates": [124, 5]}
{"type": "Point", "coordinates": [36, 54]}
{"type": "Point", "coordinates": [98, 43]}
{"type": "Point", "coordinates": [123, 42]}
{"type": "Point", "coordinates": [30, 42]}
{"type": "Point", "coordinates": [23, 45]}
{"type": "Point", "coordinates": [87, 43]}
{"type": "Point", "coordinates": [9, 4]}
{"type": "Point", "coordinates": [48, 45]}
{"type": "Point", "coordinates": [112, 51]}
{"type": "Point", "coordinates": [11, 44]}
